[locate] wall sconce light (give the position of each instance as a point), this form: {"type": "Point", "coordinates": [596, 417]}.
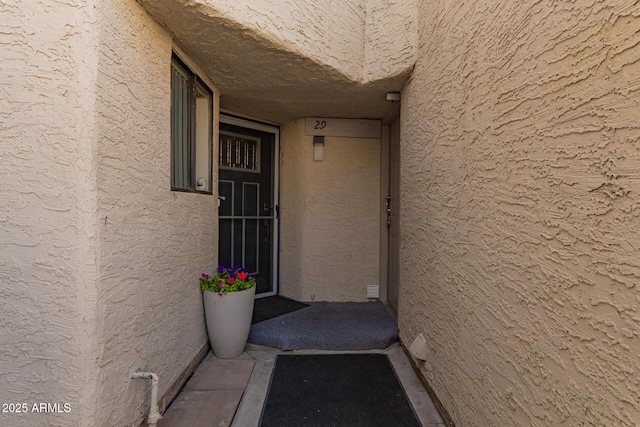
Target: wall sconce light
{"type": "Point", "coordinates": [393, 96]}
{"type": "Point", "coordinates": [318, 147]}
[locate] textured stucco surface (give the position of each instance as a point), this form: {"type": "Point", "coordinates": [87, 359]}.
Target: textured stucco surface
{"type": "Point", "coordinates": [47, 210]}
{"type": "Point", "coordinates": [325, 31]}
{"type": "Point", "coordinates": [520, 194]}
{"type": "Point", "coordinates": [100, 259]}
{"type": "Point", "coordinates": [154, 243]}
{"type": "Point", "coordinates": [390, 37]}
{"type": "Point", "coordinates": [282, 60]}
{"type": "Point", "coordinates": [330, 216]}
{"type": "Point", "coordinates": [520, 210]}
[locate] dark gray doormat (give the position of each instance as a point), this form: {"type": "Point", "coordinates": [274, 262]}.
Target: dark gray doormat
{"type": "Point", "coordinates": [336, 390]}
{"type": "Point", "coordinates": [270, 307]}
{"type": "Point", "coordinates": [329, 326]}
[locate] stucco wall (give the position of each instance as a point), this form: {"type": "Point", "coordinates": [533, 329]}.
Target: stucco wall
{"type": "Point", "coordinates": [330, 216]}
{"type": "Point", "coordinates": [99, 260]}
{"type": "Point", "coordinates": [390, 38]}
{"type": "Point", "coordinates": [520, 210]}
{"type": "Point", "coordinates": [154, 243]}
{"type": "Point", "coordinates": [327, 31]}
{"type": "Point", "coordinates": [366, 40]}
{"type": "Point", "coordinates": [363, 40]}
{"type": "Point", "coordinates": [47, 206]}
{"type": "Point", "coordinates": [270, 58]}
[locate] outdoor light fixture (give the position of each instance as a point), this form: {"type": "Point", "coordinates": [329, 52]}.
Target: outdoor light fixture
{"type": "Point", "coordinates": [318, 146]}
{"type": "Point", "coordinates": [393, 96]}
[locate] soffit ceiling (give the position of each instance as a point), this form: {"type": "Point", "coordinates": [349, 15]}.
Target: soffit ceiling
{"type": "Point", "coordinates": [260, 78]}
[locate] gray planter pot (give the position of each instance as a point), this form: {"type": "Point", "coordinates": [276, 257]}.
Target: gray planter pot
{"type": "Point", "coordinates": [228, 321]}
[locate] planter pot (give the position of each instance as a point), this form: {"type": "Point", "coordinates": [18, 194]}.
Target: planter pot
{"type": "Point", "coordinates": [228, 321]}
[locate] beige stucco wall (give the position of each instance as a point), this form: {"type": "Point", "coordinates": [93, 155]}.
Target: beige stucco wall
{"type": "Point", "coordinates": [326, 31]}
{"type": "Point", "coordinates": [99, 258]}
{"type": "Point", "coordinates": [521, 210]}
{"type": "Point", "coordinates": [270, 58]}
{"type": "Point", "coordinates": [363, 40]}
{"type": "Point", "coordinates": [330, 216]}
{"type": "Point", "coordinates": [390, 38]}
{"type": "Point", "coordinates": [154, 243]}
{"type": "Point", "coordinates": [47, 210]}
{"type": "Point", "coordinates": [366, 40]}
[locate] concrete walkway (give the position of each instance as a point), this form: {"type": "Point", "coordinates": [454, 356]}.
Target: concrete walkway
{"type": "Point", "coordinates": [232, 392]}
{"type": "Point", "coordinates": [212, 395]}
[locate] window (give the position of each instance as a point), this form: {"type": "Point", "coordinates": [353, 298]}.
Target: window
{"type": "Point", "coordinates": [239, 152]}
{"type": "Point", "coordinates": [191, 130]}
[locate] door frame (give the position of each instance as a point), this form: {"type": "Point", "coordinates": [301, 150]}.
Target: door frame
{"type": "Point", "coordinates": [275, 130]}
{"type": "Point", "coordinates": [385, 176]}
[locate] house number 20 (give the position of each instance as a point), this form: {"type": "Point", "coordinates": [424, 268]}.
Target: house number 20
{"type": "Point", "coordinates": [320, 124]}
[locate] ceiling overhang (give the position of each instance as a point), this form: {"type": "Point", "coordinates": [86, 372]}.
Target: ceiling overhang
{"type": "Point", "coordinates": [261, 77]}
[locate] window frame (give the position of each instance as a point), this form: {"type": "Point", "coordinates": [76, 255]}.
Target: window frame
{"type": "Point", "coordinates": [193, 82]}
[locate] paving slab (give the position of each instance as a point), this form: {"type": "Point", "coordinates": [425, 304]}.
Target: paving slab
{"type": "Point", "coordinates": [202, 409]}
{"type": "Point", "coordinates": [222, 374]}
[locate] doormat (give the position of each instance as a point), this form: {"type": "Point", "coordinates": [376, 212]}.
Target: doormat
{"type": "Point", "coordinates": [270, 307]}
{"type": "Point", "coordinates": [336, 390]}
{"type": "Point", "coordinates": [329, 326]}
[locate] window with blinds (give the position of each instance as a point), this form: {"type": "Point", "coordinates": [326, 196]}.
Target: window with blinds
{"type": "Point", "coordinates": [191, 130]}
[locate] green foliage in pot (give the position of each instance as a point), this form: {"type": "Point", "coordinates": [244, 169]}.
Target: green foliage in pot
{"type": "Point", "coordinates": [227, 280]}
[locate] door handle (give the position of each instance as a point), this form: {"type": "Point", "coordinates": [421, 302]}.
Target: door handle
{"type": "Point", "coordinates": [388, 211]}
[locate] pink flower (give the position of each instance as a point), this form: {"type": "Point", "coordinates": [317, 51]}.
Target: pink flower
{"type": "Point", "coordinates": [220, 293]}
{"type": "Point", "coordinates": [206, 276]}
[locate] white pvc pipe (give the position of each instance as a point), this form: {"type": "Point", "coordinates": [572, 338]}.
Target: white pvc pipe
{"type": "Point", "coordinates": [154, 414]}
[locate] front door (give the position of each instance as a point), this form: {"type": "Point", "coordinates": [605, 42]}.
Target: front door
{"type": "Point", "coordinates": [248, 211]}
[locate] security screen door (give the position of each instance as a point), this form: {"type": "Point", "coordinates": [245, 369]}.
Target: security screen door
{"type": "Point", "coordinates": [248, 211]}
